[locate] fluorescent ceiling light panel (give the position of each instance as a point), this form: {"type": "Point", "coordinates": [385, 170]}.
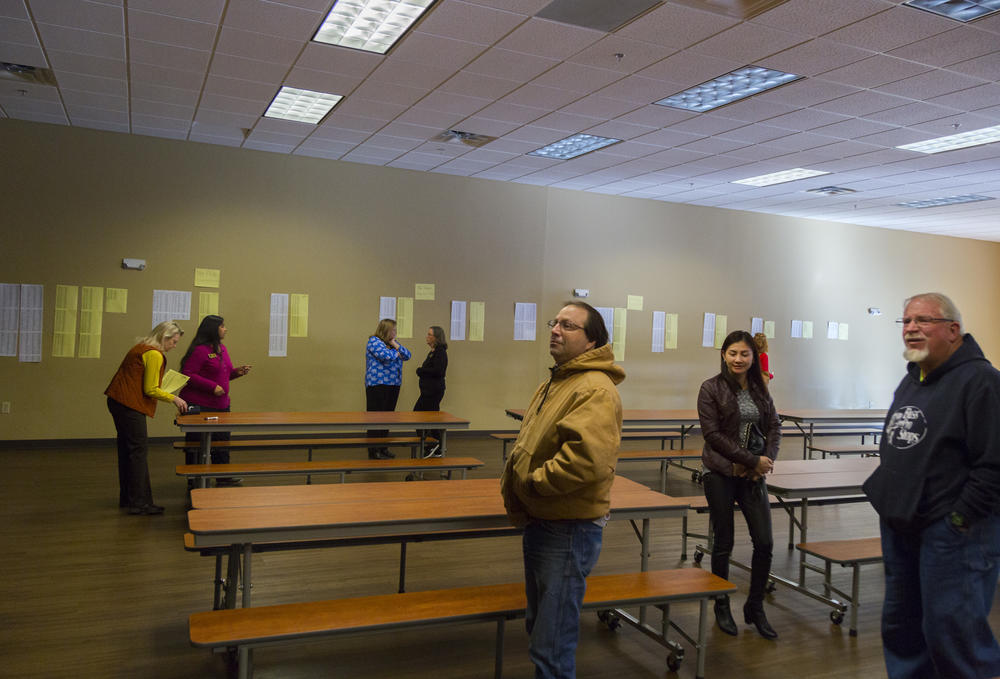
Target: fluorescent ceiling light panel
{"type": "Point", "coordinates": [960, 10]}
{"type": "Point", "coordinates": [947, 200]}
{"type": "Point", "coordinates": [739, 84]}
{"type": "Point", "coordinates": [304, 106]}
{"type": "Point", "coordinates": [985, 135]}
{"type": "Point", "coordinates": [780, 177]}
{"type": "Point", "coordinates": [573, 146]}
{"type": "Point", "coordinates": [370, 25]}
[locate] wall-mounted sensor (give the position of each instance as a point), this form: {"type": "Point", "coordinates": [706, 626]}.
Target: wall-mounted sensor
{"type": "Point", "coordinates": [874, 311]}
{"type": "Point", "coordinates": [581, 292]}
{"type": "Point", "coordinates": [137, 264]}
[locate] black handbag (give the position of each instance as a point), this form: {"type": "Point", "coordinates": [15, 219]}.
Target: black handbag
{"type": "Point", "coordinates": [753, 438]}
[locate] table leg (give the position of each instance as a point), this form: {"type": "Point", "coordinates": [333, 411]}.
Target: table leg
{"type": "Point", "coordinates": [247, 581]}
{"type": "Point", "coordinates": [232, 576]}
{"type": "Point", "coordinates": [644, 561]}
{"type": "Point", "coordinates": [803, 537]}
{"type": "Point", "coordinates": [205, 455]}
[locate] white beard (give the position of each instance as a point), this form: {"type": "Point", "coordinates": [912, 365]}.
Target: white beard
{"type": "Point", "coordinates": [915, 355]}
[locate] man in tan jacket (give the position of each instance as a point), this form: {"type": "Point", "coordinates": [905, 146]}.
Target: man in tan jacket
{"type": "Point", "coordinates": [557, 482]}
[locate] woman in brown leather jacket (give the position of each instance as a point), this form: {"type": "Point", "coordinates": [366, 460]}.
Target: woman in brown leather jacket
{"type": "Point", "coordinates": [742, 432]}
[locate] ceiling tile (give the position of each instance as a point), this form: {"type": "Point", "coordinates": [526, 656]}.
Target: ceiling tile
{"type": "Point", "coordinates": [689, 69]}
{"type": "Point", "coordinates": [814, 57]}
{"type": "Point", "coordinates": [509, 65]}
{"type": "Point", "coordinates": [891, 29]}
{"type": "Point", "coordinates": [635, 55]}
{"type": "Point", "coordinates": [541, 97]}
{"type": "Point", "coordinates": [875, 71]}
{"type": "Point", "coordinates": [469, 22]}
{"type": "Point", "coordinates": [82, 42]}
{"type": "Point", "coordinates": [443, 53]}
{"type": "Point", "coordinates": [333, 59]}
{"type": "Point", "coordinates": [930, 84]}
{"type": "Point", "coordinates": [206, 11]}
{"type": "Point", "coordinates": [171, 56]}
{"type": "Point", "coordinates": [949, 47]}
{"type": "Point", "coordinates": [271, 18]}
{"type": "Point", "coordinates": [241, 68]}
{"type": "Point", "coordinates": [577, 77]}
{"type": "Point", "coordinates": [816, 17]}
{"type": "Point", "coordinates": [862, 103]}
{"type": "Point", "coordinates": [476, 85]}
{"type": "Point", "coordinates": [549, 39]}
{"type": "Point", "coordinates": [73, 62]}
{"type": "Point", "coordinates": [985, 67]}
{"type": "Point", "coordinates": [746, 43]}
{"type": "Point", "coordinates": [86, 16]}
{"type": "Point", "coordinates": [676, 26]}
{"type": "Point", "coordinates": [251, 45]}
{"type": "Point", "coordinates": [402, 72]}
{"type": "Point", "coordinates": [170, 30]}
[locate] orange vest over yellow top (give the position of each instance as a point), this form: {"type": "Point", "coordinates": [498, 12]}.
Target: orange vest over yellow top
{"type": "Point", "coordinates": [126, 385]}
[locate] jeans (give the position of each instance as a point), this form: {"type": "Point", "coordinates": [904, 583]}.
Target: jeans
{"type": "Point", "coordinates": [558, 556]}
{"type": "Point", "coordinates": [939, 587]}
{"type": "Point", "coordinates": [721, 491]}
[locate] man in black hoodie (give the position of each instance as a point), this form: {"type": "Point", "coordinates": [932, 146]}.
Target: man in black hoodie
{"type": "Point", "coordinates": [937, 492]}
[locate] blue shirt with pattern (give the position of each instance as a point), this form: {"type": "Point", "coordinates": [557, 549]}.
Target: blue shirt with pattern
{"type": "Point", "coordinates": [383, 364]}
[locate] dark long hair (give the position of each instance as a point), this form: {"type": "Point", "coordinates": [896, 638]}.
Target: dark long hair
{"type": "Point", "coordinates": [208, 333]}
{"type": "Point", "coordinates": [439, 338]}
{"type": "Point", "coordinates": [595, 329]}
{"type": "Point", "coordinates": [753, 374]}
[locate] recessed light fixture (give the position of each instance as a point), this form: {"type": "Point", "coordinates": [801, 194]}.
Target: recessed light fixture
{"type": "Point", "coordinates": [573, 146]}
{"type": "Point", "coordinates": [370, 25]}
{"type": "Point", "coordinates": [739, 84]}
{"type": "Point", "coordinates": [947, 200]}
{"type": "Point", "coordinates": [831, 190]}
{"type": "Point", "coordinates": [304, 106]}
{"type": "Point", "coordinates": [960, 10]}
{"type": "Point", "coordinates": [985, 135]}
{"type": "Point", "coordinates": [780, 177]}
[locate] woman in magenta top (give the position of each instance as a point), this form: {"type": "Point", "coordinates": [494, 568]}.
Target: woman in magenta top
{"type": "Point", "coordinates": [210, 370]}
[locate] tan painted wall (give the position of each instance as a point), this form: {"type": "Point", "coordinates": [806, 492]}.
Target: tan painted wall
{"type": "Point", "coordinates": [75, 202]}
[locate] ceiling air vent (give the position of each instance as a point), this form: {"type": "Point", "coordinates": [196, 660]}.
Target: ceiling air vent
{"type": "Point", "coordinates": [831, 190]}
{"type": "Point", "coordinates": [468, 138]}
{"type": "Point", "coordinates": [26, 74]}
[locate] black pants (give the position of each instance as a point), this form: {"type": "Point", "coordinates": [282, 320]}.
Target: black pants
{"type": "Point", "coordinates": [134, 489]}
{"type": "Point", "coordinates": [430, 401]}
{"type": "Point", "coordinates": [380, 398]}
{"type": "Point", "coordinates": [219, 455]}
{"type": "Point", "coordinates": [721, 491]}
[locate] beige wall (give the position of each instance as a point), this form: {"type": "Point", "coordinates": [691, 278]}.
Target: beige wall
{"type": "Point", "coordinates": [75, 202]}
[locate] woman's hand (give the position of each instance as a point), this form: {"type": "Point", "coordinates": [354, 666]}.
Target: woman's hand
{"type": "Point", "coordinates": [394, 343]}
{"type": "Point", "coordinates": [219, 391]}
{"type": "Point", "coordinates": [765, 465]}
{"type": "Point", "coordinates": [243, 370]}
{"type": "Point", "coordinates": [181, 404]}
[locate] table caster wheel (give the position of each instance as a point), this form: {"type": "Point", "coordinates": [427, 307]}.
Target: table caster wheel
{"type": "Point", "coordinates": [836, 617]}
{"type": "Point", "coordinates": [609, 618]}
{"type": "Point", "coordinates": [698, 556]}
{"type": "Point", "coordinates": [674, 660]}
{"type": "Point", "coordinates": [770, 586]}
{"type": "Point", "coordinates": [411, 477]}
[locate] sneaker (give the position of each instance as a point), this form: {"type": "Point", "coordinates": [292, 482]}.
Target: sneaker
{"type": "Point", "coordinates": [435, 451]}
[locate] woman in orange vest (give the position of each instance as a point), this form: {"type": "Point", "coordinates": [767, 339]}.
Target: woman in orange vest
{"type": "Point", "coordinates": [132, 397]}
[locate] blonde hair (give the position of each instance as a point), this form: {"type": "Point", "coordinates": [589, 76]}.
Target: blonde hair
{"type": "Point", "coordinates": [384, 326]}
{"type": "Point", "coordinates": [163, 331]}
{"type": "Point", "coordinates": [760, 339]}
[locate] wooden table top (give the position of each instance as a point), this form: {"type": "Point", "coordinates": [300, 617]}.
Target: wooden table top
{"type": "Point", "coordinates": [319, 421]}
{"type": "Point", "coordinates": [833, 415]}
{"type": "Point", "coordinates": [276, 513]}
{"type": "Point", "coordinates": [634, 417]}
{"type": "Point", "coordinates": [819, 478]}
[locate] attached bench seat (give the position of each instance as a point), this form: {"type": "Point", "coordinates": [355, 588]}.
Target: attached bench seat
{"type": "Point", "coordinates": [342, 467]}
{"type": "Point", "coordinates": [248, 628]}
{"type": "Point", "coordinates": [864, 431]}
{"type": "Point", "coordinates": [411, 442]}
{"type": "Point", "coordinates": [838, 450]}
{"type": "Point", "coordinates": [627, 435]}
{"type": "Point", "coordinates": [853, 553]}
{"type": "Point", "coordinates": [664, 457]}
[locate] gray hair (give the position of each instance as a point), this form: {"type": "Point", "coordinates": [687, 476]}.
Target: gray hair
{"type": "Point", "coordinates": [948, 308]}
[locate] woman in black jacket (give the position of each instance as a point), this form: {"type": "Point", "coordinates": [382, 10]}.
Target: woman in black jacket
{"type": "Point", "coordinates": [742, 432]}
{"type": "Point", "coordinates": [431, 378]}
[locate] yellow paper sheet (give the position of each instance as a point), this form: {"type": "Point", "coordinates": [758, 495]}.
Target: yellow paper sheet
{"type": "Point", "coordinates": [298, 315]}
{"type": "Point", "coordinates": [208, 304]}
{"type": "Point", "coordinates": [842, 331]}
{"type": "Point", "coordinates": [769, 329]}
{"type": "Point", "coordinates": [91, 316]}
{"type": "Point", "coordinates": [424, 291]}
{"type": "Point", "coordinates": [207, 278]}
{"type": "Point", "coordinates": [807, 329]}
{"type": "Point", "coordinates": [404, 317]}
{"type": "Point", "coordinates": [634, 303]}
{"type": "Point", "coordinates": [618, 344]}
{"type": "Point", "coordinates": [64, 332]}
{"type": "Point", "coordinates": [477, 321]}
{"type": "Point", "coordinates": [721, 323]}
{"type": "Point", "coordinates": [173, 381]}
{"type": "Point", "coordinates": [115, 300]}
{"type": "Point", "coordinates": [670, 331]}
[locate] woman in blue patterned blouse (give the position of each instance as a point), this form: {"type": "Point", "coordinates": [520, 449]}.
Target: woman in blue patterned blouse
{"type": "Point", "coordinates": [384, 358]}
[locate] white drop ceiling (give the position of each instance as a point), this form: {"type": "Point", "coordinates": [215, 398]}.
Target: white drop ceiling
{"type": "Point", "coordinates": [877, 75]}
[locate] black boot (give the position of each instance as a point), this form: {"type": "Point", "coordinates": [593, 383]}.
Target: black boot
{"type": "Point", "coordinates": [724, 617]}
{"type": "Point", "coordinates": [754, 614]}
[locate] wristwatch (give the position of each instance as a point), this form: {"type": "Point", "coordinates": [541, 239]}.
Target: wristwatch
{"type": "Point", "coordinates": [959, 520]}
